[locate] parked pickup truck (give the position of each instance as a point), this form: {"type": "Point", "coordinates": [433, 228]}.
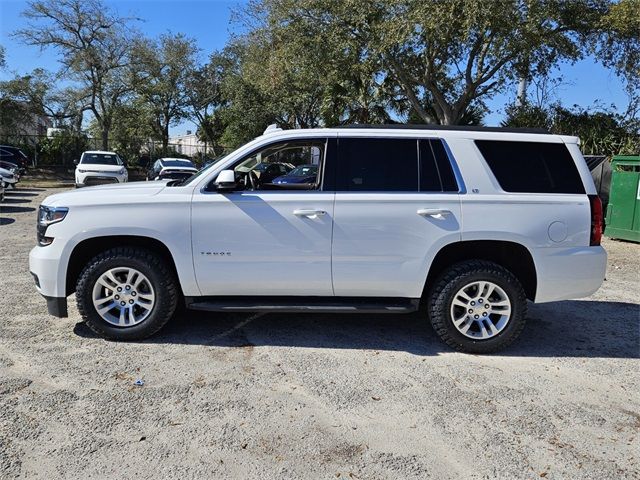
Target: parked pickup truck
{"type": "Point", "coordinates": [469, 223]}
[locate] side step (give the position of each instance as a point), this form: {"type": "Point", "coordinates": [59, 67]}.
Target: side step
{"type": "Point", "coordinates": [304, 304]}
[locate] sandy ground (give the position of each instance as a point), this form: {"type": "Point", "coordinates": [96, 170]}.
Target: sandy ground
{"type": "Point", "coordinates": [316, 396]}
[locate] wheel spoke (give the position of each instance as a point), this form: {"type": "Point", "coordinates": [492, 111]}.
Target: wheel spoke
{"type": "Point", "coordinates": [132, 305]}
{"type": "Point", "coordinates": [474, 298]}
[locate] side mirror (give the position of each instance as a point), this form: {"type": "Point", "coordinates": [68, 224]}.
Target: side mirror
{"type": "Point", "coordinates": [226, 181]}
{"type": "Point", "coordinates": [76, 161]}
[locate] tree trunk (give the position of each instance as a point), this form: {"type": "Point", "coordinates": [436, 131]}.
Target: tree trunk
{"type": "Point", "coordinates": [521, 98]}
{"type": "Point", "coordinates": [105, 137]}
{"type": "Point", "coordinates": [165, 138]}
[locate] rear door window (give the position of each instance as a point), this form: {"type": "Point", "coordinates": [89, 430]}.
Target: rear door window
{"type": "Point", "coordinates": [436, 174]}
{"type": "Point", "coordinates": [531, 167]}
{"type": "Point", "coordinates": [377, 164]}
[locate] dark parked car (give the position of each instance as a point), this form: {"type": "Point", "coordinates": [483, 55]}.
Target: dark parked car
{"type": "Point", "coordinates": [301, 174]}
{"type": "Point", "coordinates": [14, 155]}
{"type": "Point", "coordinates": [268, 172]}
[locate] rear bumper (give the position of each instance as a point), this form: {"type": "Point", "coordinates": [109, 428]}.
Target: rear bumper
{"type": "Point", "coordinates": [565, 273]}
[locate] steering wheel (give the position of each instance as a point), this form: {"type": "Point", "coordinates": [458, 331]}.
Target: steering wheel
{"type": "Point", "coordinates": [253, 180]}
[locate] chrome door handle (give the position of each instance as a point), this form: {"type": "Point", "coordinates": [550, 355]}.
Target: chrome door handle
{"type": "Point", "coordinates": [433, 213]}
{"type": "Point", "coordinates": [309, 213]}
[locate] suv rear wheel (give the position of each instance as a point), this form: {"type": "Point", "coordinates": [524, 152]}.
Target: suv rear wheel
{"type": "Point", "coordinates": [477, 307]}
{"type": "Point", "coordinates": [126, 293]}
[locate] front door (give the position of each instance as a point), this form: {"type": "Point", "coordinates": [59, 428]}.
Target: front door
{"type": "Point", "coordinates": [266, 238]}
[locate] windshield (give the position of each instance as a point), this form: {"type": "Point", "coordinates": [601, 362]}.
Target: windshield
{"type": "Point", "coordinates": [177, 163]}
{"type": "Point", "coordinates": [100, 159]}
{"type": "Point", "coordinates": [304, 171]}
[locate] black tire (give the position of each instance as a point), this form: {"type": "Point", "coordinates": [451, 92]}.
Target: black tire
{"type": "Point", "coordinates": [441, 296]}
{"type": "Point", "coordinates": [153, 267]}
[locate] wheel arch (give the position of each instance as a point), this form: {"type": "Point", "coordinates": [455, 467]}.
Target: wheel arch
{"type": "Point", "coordinates": [90, 247]}
{"type": "Point", "coordinates": [511, 255]}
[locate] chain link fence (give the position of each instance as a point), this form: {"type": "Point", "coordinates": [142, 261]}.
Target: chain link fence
{"type": "Point", "coordinates": [60, 150]}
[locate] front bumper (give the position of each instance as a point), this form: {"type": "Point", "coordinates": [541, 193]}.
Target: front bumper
{"type": "Point", "coordinates": [57, 306]}
{"type": "Point", "coordinates": [99, 178]}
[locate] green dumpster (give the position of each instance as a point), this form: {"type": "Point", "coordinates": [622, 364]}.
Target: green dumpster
{"type": "Point", "coordinates": [623, 212]}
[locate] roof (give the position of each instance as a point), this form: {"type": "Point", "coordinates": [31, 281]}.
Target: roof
{"type": "Point", "coordinates": [175, 159]}
{"type": "Point", "coordinates": [463, 128]}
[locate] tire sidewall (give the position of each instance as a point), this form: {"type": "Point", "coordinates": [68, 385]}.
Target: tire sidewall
{"type": "Point", "coordinates": [513, 290]}
{"type": "Point", "coordinates": [149, 325]}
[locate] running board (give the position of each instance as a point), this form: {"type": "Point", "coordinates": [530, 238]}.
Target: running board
{"type": "Point", "coordinates": [303, 304]}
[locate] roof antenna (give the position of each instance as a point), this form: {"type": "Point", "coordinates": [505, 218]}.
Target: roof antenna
{"type": "Point", "coordinates": [272, 128]}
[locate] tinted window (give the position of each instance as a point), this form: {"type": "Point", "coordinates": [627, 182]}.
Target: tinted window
{"type": "Point", "coordinates": [429, 176]}
{"type": "Point", "coordinates": [447, 177]}
{"type": "Point", "coordinates": [532, 166]}
{"type": "Point", "coordinates": [100, 159]}
{"type": "Point", "coordinates": [377, 164]}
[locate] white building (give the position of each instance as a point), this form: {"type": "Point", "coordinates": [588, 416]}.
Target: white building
{"type": "Point", "coordinates": [187, 144]}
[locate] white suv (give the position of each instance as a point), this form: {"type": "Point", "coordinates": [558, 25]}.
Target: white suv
{"type": "Point", "coordinates": [467, 222]}
{"type": "Point", "coordinates": [98, 167]}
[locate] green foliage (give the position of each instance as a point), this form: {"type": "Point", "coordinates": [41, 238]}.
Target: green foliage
{"type": "Point", "coordinates": [601, 132]}
{"type": "Point", "coordinates": [159, 75]}
{"type": "Point", "coordinates": [62, 148]}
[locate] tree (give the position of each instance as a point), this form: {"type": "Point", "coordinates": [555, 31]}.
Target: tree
{"type": "Point", "coordinates": [160, 72]}
{"type": "Point", "coordinates": [37, 95]}
{"type": "Point", "coordinates": [93, 44]}
{"type": "Point", "coordinates": [454, 53]}
{"type": "Point", "coordinates": [205, 98]}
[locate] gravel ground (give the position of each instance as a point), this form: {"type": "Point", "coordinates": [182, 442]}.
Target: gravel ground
{"type": "Point", "coordinates": [316, 396]}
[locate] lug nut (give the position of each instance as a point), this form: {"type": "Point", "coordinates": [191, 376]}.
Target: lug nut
{"type": "Point", "coordinates": [131, 302]}
{"type": "Point", "coordinates": [471, 310]}
{"type": "Point", "coordinates": [123, 303]}
{"type": "Point", "coordinates": [476, 316]}
{"type": "Point", "coordinates": [484, 314]}
{"type": "Point", "coordinates": [117, 297]}
{"type": "Point", "coordinates": [128, 287]}
{"type": "Point", "coordinates": [473, 303]}
{"type": "Point", "coordinates": [133, 294]}
{"type": "Point", "coordinates": [486, 306]}
{"type": "Point", "coordinates": [119, 289]}
{"type": "Point", "coordinates": [480, 301]}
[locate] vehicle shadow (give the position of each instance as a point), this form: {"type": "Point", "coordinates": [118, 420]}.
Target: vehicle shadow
{"type": "Point", "coordinates": [20, 189]}
{"type": "Point", "coordinates": [6, 221]}
{"type": "Point", "coordinates": [575, 328]}
{"type": "Point", "coordinates": [11, 209]}
{"type": "Point", "coordinates": [20, 193]}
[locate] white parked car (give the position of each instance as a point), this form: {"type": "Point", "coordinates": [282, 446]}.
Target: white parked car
{"type": "Point", "coordinates": [1, 191]}
{"type": "Point", "coordinates": [171, 168]}
{"type": "Point", "coordinates": [469, 222]}
{"type": "Point", "coordinates": [98, 167]}
{"type": "Point", "coordinates": [9, 178]}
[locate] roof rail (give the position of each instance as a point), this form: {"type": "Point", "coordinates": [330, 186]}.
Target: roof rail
{"type": "Point", "coordinates": [467, 128]}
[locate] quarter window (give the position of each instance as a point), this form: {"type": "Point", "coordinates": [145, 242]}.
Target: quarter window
{"type": "Point", "coordinates": [532, 167]}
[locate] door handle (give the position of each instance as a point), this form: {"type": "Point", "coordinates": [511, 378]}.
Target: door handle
{"type": "Point", "coordinates": [433, 213]}
{"type": "Point", "coordinates": [309, 213]}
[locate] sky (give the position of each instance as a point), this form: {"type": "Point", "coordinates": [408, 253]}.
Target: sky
{"type": "Point", "coordinates": [210, 23]}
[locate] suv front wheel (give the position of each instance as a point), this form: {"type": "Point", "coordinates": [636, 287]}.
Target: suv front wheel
{"type": "Point", "coordinates": [477, 306]}
{"type": "Point", "coordinates": [126, 293]}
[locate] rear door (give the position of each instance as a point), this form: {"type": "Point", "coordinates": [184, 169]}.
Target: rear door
{"type": "Point", "coordinates": [397, 204]}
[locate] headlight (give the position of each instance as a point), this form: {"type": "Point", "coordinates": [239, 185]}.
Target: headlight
{"type": "Point", "coordinates": [81, 171]}
{"type": "Point", "coordinates": [47, 216]}
{"type": "Point", "coordinates": [122, 171]}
